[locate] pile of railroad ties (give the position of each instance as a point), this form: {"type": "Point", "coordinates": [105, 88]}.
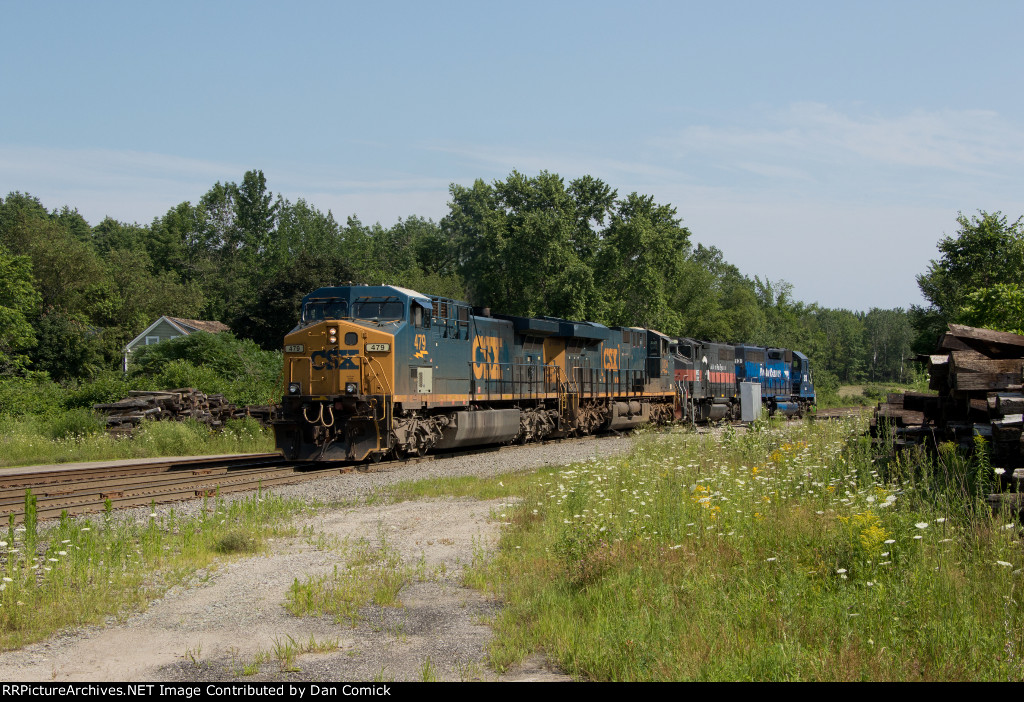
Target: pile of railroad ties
{"type": "Point", "coordinates": [125, 415]}
{"type": "Point", "coordinates": [978, 375]}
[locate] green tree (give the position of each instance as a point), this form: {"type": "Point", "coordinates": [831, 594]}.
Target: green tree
{"type": "Point", "coordinates": [887, 344]}
{"type": "Point", "coordinates": [642, 260]}
{"type": "Point", "coordinates": [256, 214]}
{"type": "Point", "coordinates": [525, 244]}
{"type": "Point", "coordinates": [999, 306]}
{"type": "Point", "coordinates": [18, 301]}
{"type": "Point", "coordinates": [69, 347]}
{"type": "Point", "coordinates": [716, 301]}
{"type": "Point", "coordinates": [840, 343]}
{"type": "Point", "coordinates": [987, 251]}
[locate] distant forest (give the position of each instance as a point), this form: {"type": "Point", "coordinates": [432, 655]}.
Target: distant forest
{"type": "Point", "coordinates": [72, 295]}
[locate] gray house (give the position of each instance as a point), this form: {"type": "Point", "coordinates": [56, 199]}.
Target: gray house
{"type": "Point", "coordinates": [168, 328]}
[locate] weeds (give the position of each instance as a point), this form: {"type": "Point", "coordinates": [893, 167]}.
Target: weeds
{"type": "Point", "coordinates": [77, 436]}
{"type": "Point", "coordinates": [371, 575]}
{"type": "Point", "coordinates": [195, 654]}
{"type": "Point", "coordinates": [428, 673]}
{"type": "Point", "coordinates": [785, 553]}
{"type": "Point", "coordinates": [80, 571]}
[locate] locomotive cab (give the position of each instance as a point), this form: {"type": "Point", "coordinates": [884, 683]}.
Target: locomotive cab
{"type": "Point", "coordinates": [339, 367]}
{"type": "Point", "coordinates": [803, 381]}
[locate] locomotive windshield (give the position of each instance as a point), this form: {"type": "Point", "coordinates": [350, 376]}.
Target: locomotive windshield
{"type": "Point", "coordinates": [319, 310]}
{"type": "Point", "coordinates": [379, 310]}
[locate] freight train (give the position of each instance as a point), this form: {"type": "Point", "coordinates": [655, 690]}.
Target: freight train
{"type": "Point", "coordinates": [378, 370]}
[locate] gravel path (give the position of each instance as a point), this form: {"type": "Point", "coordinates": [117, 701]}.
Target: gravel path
{"type": "Point", "coordinates": [229, 617]}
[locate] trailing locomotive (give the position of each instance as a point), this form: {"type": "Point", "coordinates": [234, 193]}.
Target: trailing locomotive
{"type": "Point", "coordinates": [709, 375]}
{"type": "Point", "coordinates": [375, 370]}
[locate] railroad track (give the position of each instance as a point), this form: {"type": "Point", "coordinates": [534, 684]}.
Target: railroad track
{"type": "Point", "coordinates": [89, 490]}
{"type": "Point", "coordinates": [85, 490]}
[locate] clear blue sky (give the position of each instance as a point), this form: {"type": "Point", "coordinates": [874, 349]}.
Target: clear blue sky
{"type": "Point", "coordinates": [827, 144]}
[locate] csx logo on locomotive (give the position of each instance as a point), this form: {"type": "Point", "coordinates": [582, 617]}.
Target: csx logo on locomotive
{"type": "Point", "coordinates": [486, 355]}
{"type": "Point", "coordinates": [334, 359]}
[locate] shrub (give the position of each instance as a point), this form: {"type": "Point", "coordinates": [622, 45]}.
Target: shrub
{"type": "Point", "coordinates": [212, 363]}
{"type": "Point", "coordinates": [107, 386]}
{"type": "Point", "coordinates": [78, 422]}
{"type": "Point", "coordinates": [32, 395]}
{"type": "Point", "coordinates": [181, 373]}
{"type": "Point", "coordinates": [175, 438]}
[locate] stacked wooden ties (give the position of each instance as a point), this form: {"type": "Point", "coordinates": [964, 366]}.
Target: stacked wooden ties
{"type": "Point", "coordinates": [175, 405]}
{"type": "Point", "coordinates": [977, 375]}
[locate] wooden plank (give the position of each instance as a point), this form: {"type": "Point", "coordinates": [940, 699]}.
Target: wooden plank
{"type": "Point", "coordinates": [920, 401]}
{"type": "Point", "coordinates": [948, 342]}
{"type": "Point", "coordinates": [963, 363]}
{"type": "Point", "coordinates": [962, 332]}
{"type": "Point", "coordinates": [963, 355]}
{"type": "Point", "coordinates": [987, 381]}
{"type": "Point", "coordinates": [153, 393]}
{"type": "Point", "coordinates": [1009, 404]}
{"type": "Point", "coordinates": [978, 404]}
{"type": "Point", "coordinates": [899, 416]}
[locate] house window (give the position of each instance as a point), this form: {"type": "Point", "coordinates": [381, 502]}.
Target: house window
{"type": "Point", "coordinates": [152, 340]}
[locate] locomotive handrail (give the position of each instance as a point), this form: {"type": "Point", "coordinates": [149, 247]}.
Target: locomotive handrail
{"type": "Point", "coordinates": [530, 386]}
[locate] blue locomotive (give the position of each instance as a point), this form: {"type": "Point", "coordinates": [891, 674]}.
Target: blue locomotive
{"type": "Point", "coordinates": [709, 376]}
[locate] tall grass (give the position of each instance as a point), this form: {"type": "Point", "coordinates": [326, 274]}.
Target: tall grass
{"type": "Point", "coordinates": [75, 436]}
{"type": "Point", "coordinates": [786, 553]}
{"type": "Point", "coordinates": [80, 571]}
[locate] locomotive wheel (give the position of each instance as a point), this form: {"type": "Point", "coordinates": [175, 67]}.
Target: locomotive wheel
{"type": "Point", "coordinates": [414, 452]}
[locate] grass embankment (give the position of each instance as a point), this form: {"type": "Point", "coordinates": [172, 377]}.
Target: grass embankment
{"type": "Point", "coordinates": [781, 554]}
{"type": "Point", "coordinates": [35, 441]}
{"type": "Point", "coordinates": [866, 395]}
{"type": "Point", "coordinates": [81, 571]}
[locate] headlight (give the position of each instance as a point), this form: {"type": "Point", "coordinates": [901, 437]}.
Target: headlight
{"type": "Point", "coordinates": [334, 335]}
{"type": "Point", "coordinates": [351, 388]}
{"type": "Point", "coordinates": [294, 388]}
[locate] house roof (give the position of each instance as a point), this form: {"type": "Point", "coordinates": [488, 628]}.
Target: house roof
{"type": "Point", "coordinates": [199, 324]}
{"type": "Point", "coordinates": [185, 326]}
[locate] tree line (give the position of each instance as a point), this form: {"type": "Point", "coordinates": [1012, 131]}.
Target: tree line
{"type": "Point", "coordinates": [72, 295]}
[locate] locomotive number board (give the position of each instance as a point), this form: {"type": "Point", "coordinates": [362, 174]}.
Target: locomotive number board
{"type": "Point", "coordinates": [293, 348]}
{"type": "Point", "coordinates": [370, 348]}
